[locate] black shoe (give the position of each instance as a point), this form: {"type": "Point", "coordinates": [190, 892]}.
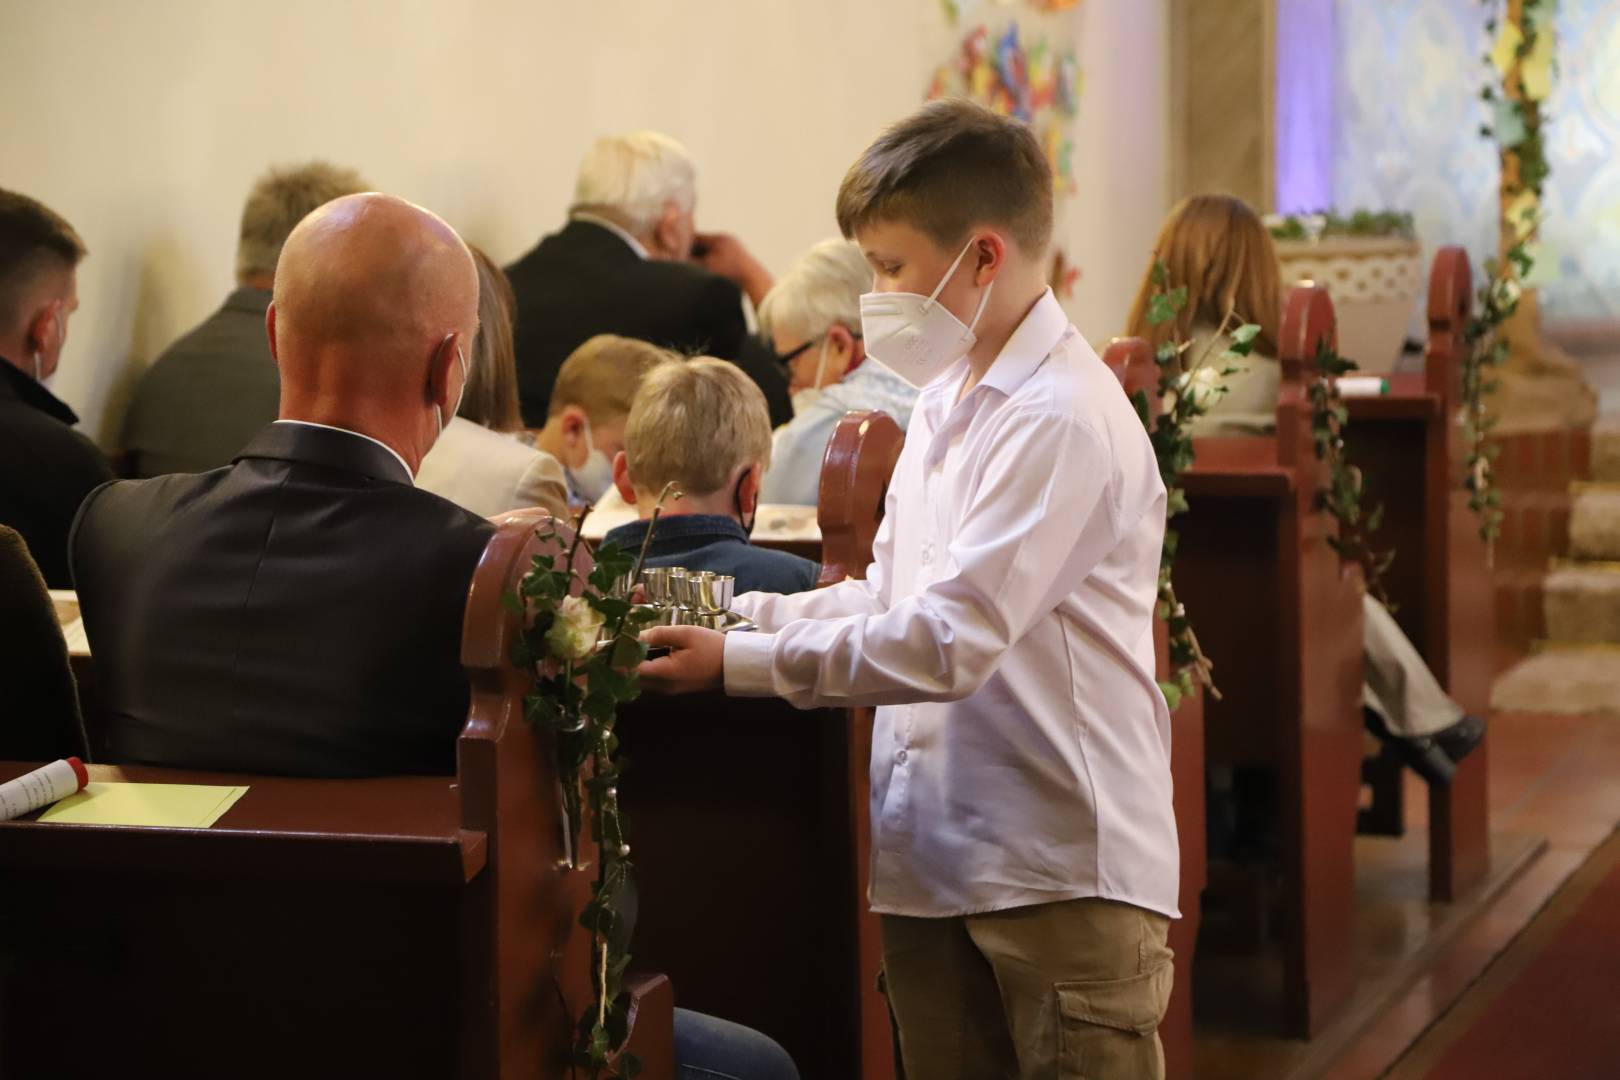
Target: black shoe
{"type": "Point", "coordinates": [1420, 753]}
{"type": "Point", "coordinates": [1460, 738]}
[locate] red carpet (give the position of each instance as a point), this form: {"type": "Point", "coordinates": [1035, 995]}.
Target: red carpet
{"type": "Point", "coordinates": [1550, 1005]}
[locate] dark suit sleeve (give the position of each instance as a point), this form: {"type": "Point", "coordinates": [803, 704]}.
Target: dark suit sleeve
{"type": "Point", "coordinates": [729, 339]}
{"type": "Point", "coordinates": [73, 530]}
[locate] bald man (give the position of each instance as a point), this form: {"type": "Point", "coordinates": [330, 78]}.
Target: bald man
{"type": "Point", "coordinates": [298, 612]}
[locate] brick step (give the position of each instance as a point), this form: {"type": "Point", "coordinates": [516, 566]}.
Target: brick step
{"type": "Point", "coordinates": [1535, 526]}
{"type": "Point", "coordinates": [1604, 451]}
{"type": "Point", "coordinates": [1560, 678]}
{"type": "Point", "coordinates": [1594, 520]}
{"type": "Point", "coordinates": [1546, 460]}
{"type": "Point", "coordinates": [1583, 602]}
{"type": "Point", "coordinates": [1520, 607]}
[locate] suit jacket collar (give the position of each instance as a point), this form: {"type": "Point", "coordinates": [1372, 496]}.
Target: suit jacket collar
{"type": "Point", "coordinates": [248, 300]}
{"type": "Point", "coordinates": [14, 384]}
{"type": "Point", "coordinates": [332, 448]}
{"type": "Point", "coordinates": [588, 236]}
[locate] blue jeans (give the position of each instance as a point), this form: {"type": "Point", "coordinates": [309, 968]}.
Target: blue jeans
{"type": "Point", "coordinates": [709, 1048]}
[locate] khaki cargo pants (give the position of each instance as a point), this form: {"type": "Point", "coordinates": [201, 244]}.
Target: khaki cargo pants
{"type": "Point", "coordinates": [1072, 990]}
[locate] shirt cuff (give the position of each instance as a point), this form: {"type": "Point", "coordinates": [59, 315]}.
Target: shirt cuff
{"type": "Point", "coordinates": [747, 667]}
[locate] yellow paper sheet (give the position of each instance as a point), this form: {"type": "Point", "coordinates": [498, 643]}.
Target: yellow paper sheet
{"type": "Point", "coordinates": [173, 806]}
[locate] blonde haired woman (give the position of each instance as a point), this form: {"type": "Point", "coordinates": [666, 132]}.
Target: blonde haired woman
{"type": "Point", "coordinates": [1218, 248]}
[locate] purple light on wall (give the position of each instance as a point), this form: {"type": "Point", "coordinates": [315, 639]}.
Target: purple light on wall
{"type": "Point", "coordinates": [1307, 52]}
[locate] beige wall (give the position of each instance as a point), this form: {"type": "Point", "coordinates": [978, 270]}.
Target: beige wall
{"type": "Point", "coordinates": [144, 123]}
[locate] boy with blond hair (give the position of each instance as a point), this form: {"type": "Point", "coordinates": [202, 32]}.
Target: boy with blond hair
{"type": "Point", "coordinates": [1024, 856]}
{"type": "Point", "coordinates": [589, 406]}
{"type": "Point", "coordinates": [703, 426]}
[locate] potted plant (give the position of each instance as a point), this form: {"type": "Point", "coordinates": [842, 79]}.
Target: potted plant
{"type": "Point", "coordinates": [1370, 262]}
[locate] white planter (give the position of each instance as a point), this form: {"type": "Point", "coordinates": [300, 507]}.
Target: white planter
{"type": "Point", "coordinates": [1375, 283]}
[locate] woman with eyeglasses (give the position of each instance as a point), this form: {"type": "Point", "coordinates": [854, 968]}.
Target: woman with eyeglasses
{"type": "Point", "coordinates": [812, 316]}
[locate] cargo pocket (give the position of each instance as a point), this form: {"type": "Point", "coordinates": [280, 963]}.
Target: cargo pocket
{"type": "Point", "coordinates": [1106, 1028]}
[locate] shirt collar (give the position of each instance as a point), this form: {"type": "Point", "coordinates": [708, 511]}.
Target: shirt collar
{"type": "Point", "coordinates": [617, 230]}
{"type": "Point", "coordinates": [1029, 345]}
{"type": "Point", "coordinates": [16, 383]}
{"type": "Point", "coordinates": [410, 477]}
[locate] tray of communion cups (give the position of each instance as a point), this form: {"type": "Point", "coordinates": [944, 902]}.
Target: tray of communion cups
{"type": "Point", "coordinates": [682, 597]}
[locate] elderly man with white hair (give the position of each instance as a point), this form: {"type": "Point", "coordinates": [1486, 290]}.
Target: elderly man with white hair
{"type": "Point", "coordinates": [813, 318]}
{"type": "Point", "coordinates": [630, 262]}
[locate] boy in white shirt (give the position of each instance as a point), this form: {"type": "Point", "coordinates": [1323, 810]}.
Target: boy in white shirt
{"type": "Point", "coordinates": [1024, 856]}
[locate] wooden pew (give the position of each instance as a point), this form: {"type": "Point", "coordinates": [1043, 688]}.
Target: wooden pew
{"type": "Point", "coordinates": [1131, 360]}
{"type": "Point", "coordinates": [407, 926]}
{"type": "Point", "coordinates": [751, 833]}
{"type": "Point", "coordinates": [1411, 452]}
{"type": "Point", "coordinates": [1281, 619]}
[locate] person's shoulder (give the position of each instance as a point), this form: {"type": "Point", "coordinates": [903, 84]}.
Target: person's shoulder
{"type": "Point", "coordinates": [779, 571]}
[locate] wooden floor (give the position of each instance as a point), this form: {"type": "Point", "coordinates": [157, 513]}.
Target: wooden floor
{"type": "Point", "coordinates": [1552, 777]}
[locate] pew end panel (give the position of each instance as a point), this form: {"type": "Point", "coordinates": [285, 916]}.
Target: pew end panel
{"type": "Point", "coordinates": [536, 961]}
{"type": "Point", "coordinates": [1439, 582]}
{"type": "Point", "coordinates": [1281, 618]}
{"type": "Point", "coordinates": [1131, 361]}
{"type": "Point", "coordinates": [855, 473]}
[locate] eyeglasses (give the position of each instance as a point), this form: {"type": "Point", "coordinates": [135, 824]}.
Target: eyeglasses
{"type": "Point", "coordinates": [792, 355]}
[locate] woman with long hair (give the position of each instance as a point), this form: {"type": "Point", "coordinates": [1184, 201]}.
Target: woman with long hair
{"type": "Point", "coordinates": [478, 461]}
{"type": "Point", "coordinates": [1218, 248]}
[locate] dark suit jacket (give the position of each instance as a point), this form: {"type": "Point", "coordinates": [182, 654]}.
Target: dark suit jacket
{"type": "Point", "coordinates": [584, 281]}
{"type": "Point", "coordinates": [46, 470]}
{"type": "Point", "coordinates": [207, 394]}
{"type": "Point", "coordinates": [40, 720]}
{"type": "Point", "coordinates": [298, 612]}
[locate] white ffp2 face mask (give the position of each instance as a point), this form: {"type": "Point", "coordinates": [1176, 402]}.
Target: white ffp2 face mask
{"type": "Point", "coordinates": [591, 480]}
{"type": "Point", "coordinates": [914, 336]}
{"type": "Point", "coordinates": [438, 412]}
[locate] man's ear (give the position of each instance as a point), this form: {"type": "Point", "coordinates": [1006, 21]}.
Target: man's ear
{"type": "Point", "coordinates": [442, 363]}
{"type": "Point", "coordinates": [270, 332]}
{"type": "Point", "coordinates": [668, 235]}
{"type": "Point", "coordinates": [621, 478]}
{"type": "Point", "coordinates": [45, 328]}
{"type": "Point", "coordinates": [990, 255]}
{"type": "Point", "coordinates": [843, 350]}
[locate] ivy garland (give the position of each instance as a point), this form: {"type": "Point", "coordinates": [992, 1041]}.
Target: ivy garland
{"type": "Point", "coordinates": [1517, 130]}
{"type": "Point", "coordinates": [1342, 497]}
{"type": "Point", "coordinates": [584, 647]}
{"type": "Point", "coordinates": [1188, 391]}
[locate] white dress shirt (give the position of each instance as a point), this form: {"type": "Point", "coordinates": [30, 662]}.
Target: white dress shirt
{"type": "Point", "coordinates": [1022, 747]}
{"type": "Point", "coordinates": [490, 473]}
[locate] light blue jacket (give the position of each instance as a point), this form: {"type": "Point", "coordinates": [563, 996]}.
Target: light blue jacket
{"type": "Point", "coordinates": [798, 446]}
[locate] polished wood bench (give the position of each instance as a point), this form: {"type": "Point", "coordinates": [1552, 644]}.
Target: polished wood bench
{"type": "Point", "coordinates": [1411, 452]}
{"type": "Point", "coordinates": [405, 926]}
{"type": "Point", "coordinates": [751, 830]}
{"type": "Point", "coordinates": [1131, 360]}
{"type": "Point", "coordinates": [1281, 619]}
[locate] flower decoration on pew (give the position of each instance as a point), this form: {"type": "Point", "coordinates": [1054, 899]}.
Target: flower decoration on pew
{"type": "Point", "coordinates": [1189, 387]}
{"type": "Point", "coordinates": [1521, 65]}
{"type": "Point", "coordinates": [1342, 497]}
{"type": "Point", "coordinates": [581, 639]}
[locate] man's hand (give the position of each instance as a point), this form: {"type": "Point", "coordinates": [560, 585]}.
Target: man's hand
{"type": "Point", "coordinates": [696, 661]}
{"type": "Point", "coordinates": [725, 255]}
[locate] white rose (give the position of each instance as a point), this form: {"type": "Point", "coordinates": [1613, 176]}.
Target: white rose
{"type": "Point", "coordinates": [575, 632]}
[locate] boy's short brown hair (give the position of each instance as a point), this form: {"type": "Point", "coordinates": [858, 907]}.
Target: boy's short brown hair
{"type": "Point", "coordinates": [947, 167]}
{"type": "Point", "coordinates": [602, 376]}
{"type": "Point", "coordinates": [694, 423]}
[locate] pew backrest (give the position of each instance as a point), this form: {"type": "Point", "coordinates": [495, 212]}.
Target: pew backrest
{"type": "Point", "coordinates": [1450, 302]}
{"type": "Point", "coordinates": [855, 473]}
